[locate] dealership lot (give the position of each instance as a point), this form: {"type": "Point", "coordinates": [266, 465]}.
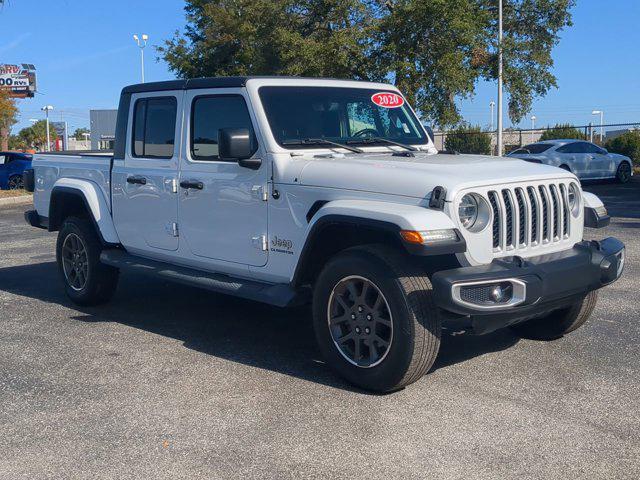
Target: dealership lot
{"type": "Point", "coordinates": [172, 382]}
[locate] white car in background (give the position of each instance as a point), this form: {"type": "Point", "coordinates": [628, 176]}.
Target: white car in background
{"type": "Point", "coordinates": [584, 159]}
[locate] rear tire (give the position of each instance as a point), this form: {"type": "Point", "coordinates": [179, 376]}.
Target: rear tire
{"type": "Point", "coordinates": [623, 174]}
{"type": "Point", "coordinates": [394, 321]}
{"type": "Point", "coordinates": [87, 281]}
{"type": "Point", "coordinates": [559, 322]}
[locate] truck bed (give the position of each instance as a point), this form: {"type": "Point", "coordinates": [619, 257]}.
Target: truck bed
{"type": "Point", "coordinates": [49, 167]}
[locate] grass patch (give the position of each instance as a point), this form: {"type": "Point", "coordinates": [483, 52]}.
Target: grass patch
{"type": "Point", "coordinates": [12, 193]}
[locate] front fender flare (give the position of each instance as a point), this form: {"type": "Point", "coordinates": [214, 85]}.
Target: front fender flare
{"type": "Point", "coordinates": [381, 216]}
{"type": "Point", "coordinates": [95, 204]}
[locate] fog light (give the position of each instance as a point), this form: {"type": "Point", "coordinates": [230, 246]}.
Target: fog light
{"type": "Point", "coordinates": [504, 293]}
{"type": "Point", "coordinates": [497, 294]}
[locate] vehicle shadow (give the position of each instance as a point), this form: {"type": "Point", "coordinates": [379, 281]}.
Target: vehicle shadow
{"type": "Point", "coordinates": [620, 200]}
{"type": "Point", "coordinates": [241, 331]}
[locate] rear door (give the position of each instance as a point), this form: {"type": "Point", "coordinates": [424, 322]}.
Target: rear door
{"type": "Point", "coordinates": [224, 219]}
{"type": "Point", "coordinates": [145, 200]}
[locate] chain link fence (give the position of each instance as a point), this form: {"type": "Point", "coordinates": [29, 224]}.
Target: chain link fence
{"type": "Point", "coordinates": [516, 138]}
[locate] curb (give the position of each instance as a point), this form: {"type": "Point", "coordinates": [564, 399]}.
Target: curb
{"type": "Point", "coordinates": [21, 200]}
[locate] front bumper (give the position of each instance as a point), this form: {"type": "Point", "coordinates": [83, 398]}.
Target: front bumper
{"type": "Point", "coordinates": [539, 284]}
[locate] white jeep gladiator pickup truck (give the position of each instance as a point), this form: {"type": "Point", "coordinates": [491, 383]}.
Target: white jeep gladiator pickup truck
{"type": "Point", "coordinates": [289, 190]}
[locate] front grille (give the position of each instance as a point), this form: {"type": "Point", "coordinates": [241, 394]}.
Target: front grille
{"type": "Point", "coordinates": [528, 216]}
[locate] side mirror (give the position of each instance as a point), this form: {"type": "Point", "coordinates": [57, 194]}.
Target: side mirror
{"type": "Point", "coordinates": [236, 144]}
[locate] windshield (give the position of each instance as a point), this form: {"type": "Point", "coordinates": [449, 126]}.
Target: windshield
{"type": "Point", "coordinates": [344, 115]}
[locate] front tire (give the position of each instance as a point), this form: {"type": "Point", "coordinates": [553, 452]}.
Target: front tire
{"type": "Point", "coordinates": [15, 183]}
{"type": "Point", "coordinates": [623, 174]}
{"type": "Point", "coordinates": [87, 281]}
{"type": "Point", "coordinates": [559, 322]}
{"type": "Point", "coordinates": [374, 318]}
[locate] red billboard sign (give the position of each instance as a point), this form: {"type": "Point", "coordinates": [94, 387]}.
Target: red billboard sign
{"type": "Point", "coordinates": [19, 80]}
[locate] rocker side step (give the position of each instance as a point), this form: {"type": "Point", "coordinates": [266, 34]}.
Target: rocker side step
{"type": "Point", "coordinates": [280, 295]}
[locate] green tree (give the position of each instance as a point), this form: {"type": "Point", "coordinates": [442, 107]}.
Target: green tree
{"type": "Point", "coordinates": [35, 136]}
{"type": "Point", "coordinates": [626, 144]}
{"type": "Point", "coordinates": [79, 133]}
{"type": "Point", "coordinates": [8, 117]}
{"type": "Point", "coordinates": [435, 51]}
{"type": "Point", "coordinates": [563, 131]}
{"type": "Point", "coordinates": [468, 139]}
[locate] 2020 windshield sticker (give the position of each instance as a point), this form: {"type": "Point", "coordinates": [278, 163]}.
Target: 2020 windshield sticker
{"type": "Point", "coordinates": [387, 99]}
{"type": "Point", "coordinates": [281, 245]}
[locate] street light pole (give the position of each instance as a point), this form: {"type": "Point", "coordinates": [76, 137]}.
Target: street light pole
{"type": "Point", "coordinates": [46, 110]}
{"type": "Point", "coordinates": [492, 105]}
{"type": "Point", "coordinates": [499, 78]}
{"type": "Point", "coordinates": [141, 44]}
{"type": "Point", "coordinates": [533, 127]}
{"type": "Point", "coordinates": [601, 113]}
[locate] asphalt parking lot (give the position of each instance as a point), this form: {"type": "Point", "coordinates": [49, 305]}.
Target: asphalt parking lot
{"type": "Point", "coordinates": [172, 382]}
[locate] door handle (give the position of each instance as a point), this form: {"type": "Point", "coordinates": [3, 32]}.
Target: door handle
{"type": "Point", "coordinates": [135, 180]}
{"type": "Point", "coordinates": [195, 184]}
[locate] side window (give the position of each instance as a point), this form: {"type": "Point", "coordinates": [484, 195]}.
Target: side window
{"type": "Point", "coordinates": [3, 159]}
{"type": "Point", "coordinates": [591, 148]}
{"type": "Point", "coordinates": [209, 114]}
{"type": "Point", "coordinates": [575, 147]}
{"type": "Point", "coordinates": [154, 127]}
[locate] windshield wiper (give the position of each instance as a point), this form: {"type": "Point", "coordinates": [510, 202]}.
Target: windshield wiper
{"type": "Point", "coordinates": [385, 140]}
{"type": "Point", "coordinates": [321, 141]}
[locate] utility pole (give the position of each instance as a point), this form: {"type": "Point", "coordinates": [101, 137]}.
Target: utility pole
{"type": "Point", "coordinates": [141, 44]}
{"type": "Point", "coordinates": [500, 149]}
{"type": "Point", "coordinates": [46, 109]}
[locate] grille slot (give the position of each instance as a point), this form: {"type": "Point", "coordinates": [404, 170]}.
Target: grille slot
{"type": "Point", "coordinates": [522, 215]}
{"type": "Point", "coordinates": [534, 214]}
{"type": "Point", "coordinates": [545, 212]}
{"type": "Point", "coordinates": [496, 219]}
{"type": "Point", "coordinates": [525, 217]}
{"type": "Point", "coordinates": [506, 196]}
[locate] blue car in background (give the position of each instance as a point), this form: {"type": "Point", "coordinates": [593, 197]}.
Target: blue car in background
{"type": "Point", "coordinates": [12, 165]}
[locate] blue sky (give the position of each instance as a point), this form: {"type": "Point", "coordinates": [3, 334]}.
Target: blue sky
{"type": "Point", "coordinates": [84, 54]}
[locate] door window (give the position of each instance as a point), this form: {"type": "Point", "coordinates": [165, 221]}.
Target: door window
{"type": "Point", "coordinates": [576, 147]}
{"type": "Point", "coordinates": [154, 127]}
{"type": "Point", "coordinates": [591, 148]}
{"type": "Point", "coordinates": [209, 114]}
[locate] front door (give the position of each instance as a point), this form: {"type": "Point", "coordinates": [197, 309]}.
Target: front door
{"type": "Point", "coordinates": [222, 206]}
{"type": "Point", "coordinates": [145, 192]}
{"type": "Point", "coordinates": [601, 163]}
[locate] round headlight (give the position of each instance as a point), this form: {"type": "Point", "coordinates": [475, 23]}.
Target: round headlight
{"type": "Point", "coordinates": [474, 212]}
{"type": "Point", "coordinates": [574, 199]}
{"type": "Point", "coordinates": [468, 211]}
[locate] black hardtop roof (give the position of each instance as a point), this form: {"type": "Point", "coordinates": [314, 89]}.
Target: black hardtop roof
{"type": "Point", "coordinates": [209, 82]}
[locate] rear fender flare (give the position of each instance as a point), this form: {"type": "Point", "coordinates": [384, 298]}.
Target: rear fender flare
{"type": "Point", "coordinates": [94, 201]}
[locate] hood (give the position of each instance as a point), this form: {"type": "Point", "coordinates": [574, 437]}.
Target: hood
{"type": "Point", "coordinates": [417, 176]}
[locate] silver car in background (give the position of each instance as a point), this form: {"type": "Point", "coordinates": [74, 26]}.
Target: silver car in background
{"type": "Point", "coordinates": [586, 160]}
